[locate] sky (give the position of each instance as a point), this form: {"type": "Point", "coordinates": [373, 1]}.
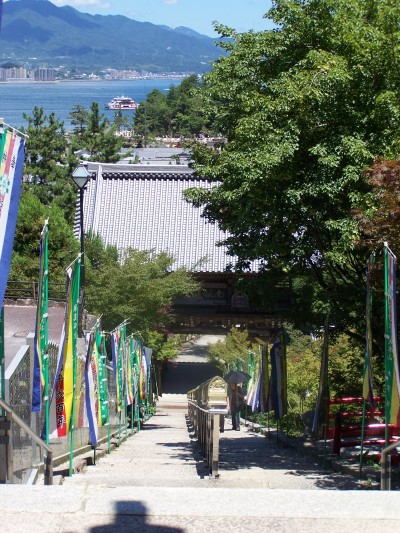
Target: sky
{"type": "Point", "coordinates": [242, 15]}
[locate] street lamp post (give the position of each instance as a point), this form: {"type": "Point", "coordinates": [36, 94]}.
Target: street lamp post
{"type": "Point", "coordinates": [81, 176]}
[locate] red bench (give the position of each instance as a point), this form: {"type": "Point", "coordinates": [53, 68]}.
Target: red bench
{"type": "Point", "coordinates": [345, 424]}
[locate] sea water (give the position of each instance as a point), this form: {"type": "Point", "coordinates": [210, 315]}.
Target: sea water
{"type": "Point", "coordinates": [17, 98]}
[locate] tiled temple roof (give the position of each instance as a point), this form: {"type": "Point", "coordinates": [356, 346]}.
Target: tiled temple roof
{"type": "Point", "coordinates": [142, 207]}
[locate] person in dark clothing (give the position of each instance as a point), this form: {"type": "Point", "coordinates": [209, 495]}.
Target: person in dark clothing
{"type": "Point", "coordinates": [235, 402]}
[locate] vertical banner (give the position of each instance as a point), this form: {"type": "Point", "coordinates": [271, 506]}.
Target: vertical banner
{"type": "Point", "coordinates": [104, 389]}
{"type": "Point", "coordinates": [12, 153]}
{"type": "Point", "coordinates": [2, 361]}
{"type": "Point", "coordinates": [143, 375]}
{"type": "Point", "coordinates": [94, 389]}
{"type": "Point", "coordinates": [102, 372]}
{"type": "Point", "coordinates": [321, 404]}
{"type": "Point", "coordinates": [122, 361]}
{"type": "Point", "coordinates": [265, 382]}
{"type": "Point", "coordinates": [136, 379]}
{"type": "Point", "coordinates": [148, 352]}
{"type": "Point", "coordinates": [135, 367]}
{"type": "Point", "coordinates": [129, 390]}
{"type": "Point", "coordinates": [67, 355]}
{"type": "Point", "coordinates": [278, 377]}
{"type": "Point", "coordinates": [392, 378]}
{"type": "Point", "coordinates": [114, 354]}
{"type": "Point", "coordinates": [41, 341]}
{"type": "Point", "coordinates": [118, 340]}
{"type": "Point", "coordinates": [253, 392]}
{"type": "Point", "coordinates": [368, 388]}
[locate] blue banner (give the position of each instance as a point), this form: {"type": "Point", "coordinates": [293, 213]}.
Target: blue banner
{"type": "Point", "coordinates": [12, 153]}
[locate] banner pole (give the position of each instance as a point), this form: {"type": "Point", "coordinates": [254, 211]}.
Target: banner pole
{"type": "Point", "coordinates": [126, 420]}
{"type": "Point", "coordinates": [108, 432]}
{"type": "Point", "coordinates": [387, 339]}
{"type": "Point", "coordinates": [367, 372]}
{"type": "Point", "coordinates": [362, 436]}
{"type": "Point", "coordinates": [46, 329]}
{"type": "Point", "coordinates": [75, 297]}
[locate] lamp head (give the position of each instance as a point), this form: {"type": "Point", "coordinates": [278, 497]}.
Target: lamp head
{"type": "Point", "coordinates": [81, 176]}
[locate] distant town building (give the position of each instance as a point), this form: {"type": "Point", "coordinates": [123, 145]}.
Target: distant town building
{"type": "Point", "coordinates": [45, 74]}
{"type": "Point", "coordinates": [14, 73]}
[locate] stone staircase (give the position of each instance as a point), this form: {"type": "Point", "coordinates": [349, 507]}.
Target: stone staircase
{"type": "Point", "coordinates": [156, 482]}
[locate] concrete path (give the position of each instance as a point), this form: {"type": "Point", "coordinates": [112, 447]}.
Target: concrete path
{"type": "Point", "coordinates": [157, 482]}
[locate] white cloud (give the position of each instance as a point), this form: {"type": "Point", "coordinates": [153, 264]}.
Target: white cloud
{"type": "Point", "coordinates": [170, 1]}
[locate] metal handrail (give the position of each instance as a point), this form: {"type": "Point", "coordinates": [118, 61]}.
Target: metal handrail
{"type": "Point", "coordinates": [207, 432]}
{"type": "Point", "coordinates": [385, 466]}
{"type": "Point", "coordinates": [29, 289]}
{"type": "Point", "coordinates": [48, 472]}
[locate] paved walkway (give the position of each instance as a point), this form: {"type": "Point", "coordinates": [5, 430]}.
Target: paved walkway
{"type": "Point", "coordinates": [157, 482]}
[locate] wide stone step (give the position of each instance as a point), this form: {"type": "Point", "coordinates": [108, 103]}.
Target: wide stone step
{"type": "Point", "coordinates": [84, 509]}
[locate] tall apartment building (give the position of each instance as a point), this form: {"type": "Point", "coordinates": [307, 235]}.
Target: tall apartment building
{"type": "Point", "coordinates": [44, 74]}
{"type": "Point", "coordinates": [14, 73]}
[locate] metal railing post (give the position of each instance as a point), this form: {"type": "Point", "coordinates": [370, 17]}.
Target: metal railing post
{"type": "Point", "coordinates": [215, 446]}
{"type": "Point", "coordinates": [386, 466]}
{"type": "Point", "coordinates": [13, 417]}
{"type": "Point", "coordinates": [206, 424]}
{"type": "Point", "coordinates": [48, 469]}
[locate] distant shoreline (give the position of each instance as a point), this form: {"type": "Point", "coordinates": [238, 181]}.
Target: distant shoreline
{"type": "Point", "coordinates": [24, 81]}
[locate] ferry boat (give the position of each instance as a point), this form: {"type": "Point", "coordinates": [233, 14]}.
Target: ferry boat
{"type": "Point", "coordinates": [122, 102]}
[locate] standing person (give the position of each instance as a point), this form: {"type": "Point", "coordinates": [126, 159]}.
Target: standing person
{"type": "Point", "coordinates": [235, 400]}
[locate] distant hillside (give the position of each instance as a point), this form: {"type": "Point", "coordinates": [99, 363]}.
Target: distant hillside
{"type": "Point", "coordinates": [38, 32]}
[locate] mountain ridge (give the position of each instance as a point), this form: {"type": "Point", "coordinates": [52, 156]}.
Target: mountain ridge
{"type": "Point", "coordinates": [41, 34]}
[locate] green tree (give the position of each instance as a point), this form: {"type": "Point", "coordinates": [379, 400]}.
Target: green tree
{"type": "Point", "coordinates": [165, 347]}
{"type": "Point", "coordinates": [97, 122]}
{"type": "Point", "coordinates": [152, 116]}
{"type": "Point", "coordinates": [177, 113]}
{"type": "Point", "coordinates": [79, 117]}
{"type": "Point", "coordinates": [99, 138]}
{"type": "Point", "coordinates": [120, 120]}
{"type": "Point", "coordinates": [63, 247]}
{"type": "Point", "coordinates": [48, 163]}
{"type": "Point", "coordinates": [139, 287]}
{"type": "Point", "coordinates": [147, 275]}
{"type": "Point", "coordinates": [232, 352]}
{"type": "Point", "coordinates": [304, 109]}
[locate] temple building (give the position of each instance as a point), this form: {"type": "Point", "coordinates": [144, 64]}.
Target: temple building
{"type": "Point", "coordinates": [142, 206]}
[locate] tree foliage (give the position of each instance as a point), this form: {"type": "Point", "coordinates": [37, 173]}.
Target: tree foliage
{"type": "Point", "coordinates": [345, 368]}
{"type": "Point", "coordinates": [232, 351]}
{"type": "Point", "coordinates": [304, 109]}
{"type": "Point", "coordinates": [379, 217]}
{"type": "Point", "coordinates": [49, 162]}
{"type": "Point", "coordinates": [177, 113]}
{"type": "Point", "coordinates": [79, 117]}
{"type": "Point", "coordinates": [48, 193]}
{"type": "Point", "coordinates": [95, 134]}
{"type": "Point", "coordinates": [139, 288]}
{"type": "Point", "coordinates": [63, 247]}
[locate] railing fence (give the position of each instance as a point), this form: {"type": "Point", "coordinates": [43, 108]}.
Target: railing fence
{"type": "Point", "coordinates": [27, 454]}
